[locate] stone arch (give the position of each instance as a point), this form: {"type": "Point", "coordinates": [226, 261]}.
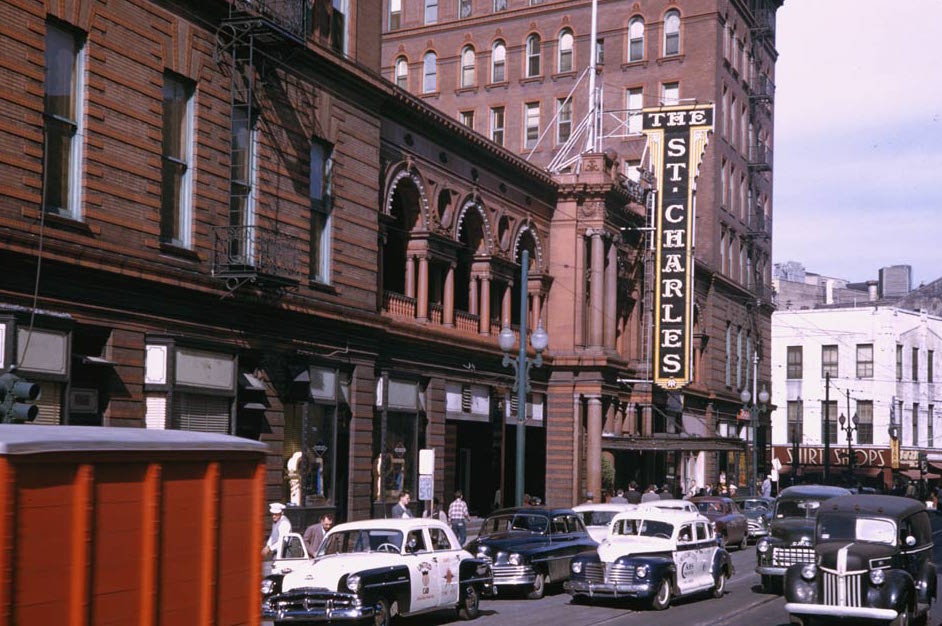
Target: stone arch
{"type": "Point", "coordinates": [405, 175]}
{"type": "Point", "coordinates": [475, 207]}
{"type": "Point", "coordinates": [525, 234]}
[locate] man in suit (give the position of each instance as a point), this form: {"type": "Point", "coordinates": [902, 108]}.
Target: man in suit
{"type": "Point", "coordinates": [633, 496]}
{"type": "Point", "coordinates": [314, 534]}
{"type": "Point", "coordinates": [619, 497]}
{"type": "Point", "coordinates": [401, 510]}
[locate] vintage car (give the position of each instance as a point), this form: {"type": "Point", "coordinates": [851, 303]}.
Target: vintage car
{"type": "Point", "coordinates": [375, 570]}
{"type": "Point", "coordinates": [598, 517]}
{"type": "Point", "coordinates": [791, 533]}
{"type": "Point", "coordinates": [653, 555]}
{"type": "Point", "coordinates": [529, 548]}
{"type": "Point", "coordinates": [729, 520]}
{"type": "Point", "coordinates": [758, 512]}
{"type": "Point", "coordinates": [673, 505]}
{"type": "Point", "coordinates": [873, 561]}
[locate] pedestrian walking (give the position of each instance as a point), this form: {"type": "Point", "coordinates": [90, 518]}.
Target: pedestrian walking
{"type": "Point", "coordinates": [633, 496]}
{"type": "Point", "coordinates": [401, 510]}
{"type": "Point", "coordinates": [766, 489]}
{"type": "Point", "coordinates": [280, 527]}
{"type": "Point", "coordinates": [314, 534]}
{"type": "Point", "coordinates": [650, 494]}
{"type": "Point", "coordinates": [665, 493]}
{"type": "Point", "coordinates": [459, 517]}
{"type": "Point", "coordinates": [437, 511]}
{"type": "Point", "coordinates": [619, 497]}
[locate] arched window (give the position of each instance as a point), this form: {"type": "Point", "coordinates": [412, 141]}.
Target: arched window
{"type": "Point", "coordinates": [533, 56]}
{"type": "Point", "coordinates": [429, 73]}
{"type": "Point", "coordinates": [468, 78]}
{"type": "Point", "coordinates": [498, 62]}
{"type": "Point", "coordinates": [672, 33]}
{"type": "Point", "coordinates": [564, 62]}
{"type": "Point", "coordinates": [402, 73]}
{"type": "Point", "coordinates": [636, 39]}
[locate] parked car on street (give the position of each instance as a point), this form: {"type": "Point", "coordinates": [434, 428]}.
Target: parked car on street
{"type": "Point", "coordinates": [375, 570]}
{"type": "Point", "coordinates": [873, 561]}
{"type": "Point", "coordinates": [673, 505]}
{"type": "Point", "coordinates": [529, 548]}
{"type": "Point", "coordinates": [758, 512]}
{"type": "Point", "coordinates": [653, 555]}
{"type": "Point", "coordinates": [598, 517]}
{"type": "Point", "coordinates": [729, 520]}
{"type": "Point", "coordinates": [791, 533]}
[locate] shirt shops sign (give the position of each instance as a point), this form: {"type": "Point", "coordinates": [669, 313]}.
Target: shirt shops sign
{"type": "Point", "coordinates": [677, 138]}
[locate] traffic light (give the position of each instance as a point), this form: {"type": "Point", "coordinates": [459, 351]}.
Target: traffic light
{"type": "Point", "coordinates": [16, 399]}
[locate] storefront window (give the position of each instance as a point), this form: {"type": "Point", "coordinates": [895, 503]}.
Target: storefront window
{"type": "Point", "coordinates": [400, 455]}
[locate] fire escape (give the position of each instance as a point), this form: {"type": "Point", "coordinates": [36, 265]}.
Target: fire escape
{"type": "Point", "coordinates": [255, 35]}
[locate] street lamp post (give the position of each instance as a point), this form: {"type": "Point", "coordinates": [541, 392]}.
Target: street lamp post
{"type": "Point", "coordinates": [852, 425]}
{"type": "Point", "coordinates": [539, 340]}
{"type": "Point", "coordinates": [749, 403]}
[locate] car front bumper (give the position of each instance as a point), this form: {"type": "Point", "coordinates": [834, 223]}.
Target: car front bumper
{"type": "Point", "coordinates": [852, 612]}
{"type": "Point", "coordinates": [509, 576]}
{"type": "Point", "coordinates": [315, 607]}
{"type": "Point", "coordinates": [770, 570]}
{"type": "Point", "coordinates": [609, 590]}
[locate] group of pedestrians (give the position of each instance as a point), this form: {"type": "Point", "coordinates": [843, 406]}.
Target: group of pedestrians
{"type": "Point", "coordinates": [635, 496]}
{"type": "Point", "coordinates": [457, 515]}
{"type": "Point", "coordinates": [281, 526]}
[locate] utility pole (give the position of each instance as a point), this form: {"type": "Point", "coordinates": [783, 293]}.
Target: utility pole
{"type": "Point", "coordinates": [827, 428]}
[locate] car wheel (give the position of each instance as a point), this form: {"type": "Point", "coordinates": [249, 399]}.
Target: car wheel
{"type": "Point", "coordinates": [539, 587]}
{"type": "Point", "coordinates": [906, 616]}
{"type": "Point", "coordinates": [662, 598]}
{"type": "Point", "coordinates": [470, 604]}
{"type": "Point", "coordinates": [381, 613]}
{"type": "Point", "coordinates": [719, 585]}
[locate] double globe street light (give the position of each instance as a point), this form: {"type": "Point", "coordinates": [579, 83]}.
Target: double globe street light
{"type": "Point", "coordinates": [746, 397]}
{"type": "Point", "coordinates": [506, 340]}
{"type": "Point", "coordinates": [852, 425]}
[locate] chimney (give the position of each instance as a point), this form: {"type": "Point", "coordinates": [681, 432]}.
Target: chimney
{"type": "Point", "coordinates": [872, 290]}
{"type": "Point", "coordinates": [829, 292]}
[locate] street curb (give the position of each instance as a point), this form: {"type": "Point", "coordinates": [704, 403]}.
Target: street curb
{"type": "Point", "coordinates": [745, 609]}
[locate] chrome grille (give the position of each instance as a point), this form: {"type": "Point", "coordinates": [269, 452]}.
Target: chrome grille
{"type": "Point", "coordinates": [620, 574]}
{"type": "Point", "coordinates": [755, 525]}
{"type": "Point", "coordinates": [593, 572]}
{"type": "Point", "coordinates": [507, 573]}
{"type": "Point", "coordinates": [842, 590]}
{"type": "Point", "coordinates": [306, 601]}
{"type": "Point", "coordinates": [783, 557]}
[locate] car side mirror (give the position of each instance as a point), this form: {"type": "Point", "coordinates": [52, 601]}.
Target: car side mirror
{"type": "Point", "coordinates": [910, 541]}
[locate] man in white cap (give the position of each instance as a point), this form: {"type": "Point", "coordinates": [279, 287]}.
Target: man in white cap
{"type": "Point", "coordinates": [280, 527]}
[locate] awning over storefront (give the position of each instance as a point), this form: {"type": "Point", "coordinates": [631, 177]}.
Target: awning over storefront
{"type": "Point", "coordinates": [862, 472]}
{"type": "Point", "coordinates": [937, 465]}
{"type": "Point", "coordinates": [666, 444]}
{"type": "Point", "coordinates": [915, 475]}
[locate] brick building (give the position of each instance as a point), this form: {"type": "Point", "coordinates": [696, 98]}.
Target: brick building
{"type": "Point", "coordinates": [514, 70]}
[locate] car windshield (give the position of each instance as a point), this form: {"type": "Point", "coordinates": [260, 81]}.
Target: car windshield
{"type": "Point", "coordinates": [643, 528]}
{"type": "Point", "coordinates": [852, 528]}
{"type": "Point", "coordinates": [514, 521]}
{"type": "Point", "coordinates": [597, 518]}
{"type": "Point", "coordinates": [710, 507]}
{"type": "Point", "coordinates": [754, 505]}
{"type": "Point", "coordinates": [362, 540]}
{"type": "Point", "coordinates": [806, 509]}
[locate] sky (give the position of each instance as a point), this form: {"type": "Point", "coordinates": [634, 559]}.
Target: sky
{"type": "Point", "coordinates": [858, 137]}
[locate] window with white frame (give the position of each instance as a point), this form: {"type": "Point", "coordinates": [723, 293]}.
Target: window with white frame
{"type": "Point", "coordinates": [634, 104]}
{"type": "Point", "coordinates": [732, 120]}
{"type": "Point", "coordinates": [742, 264]}
{"type": "Point", "coordinates": [930, 426]}
{"type": "Point", "coordinates": [793, 368]}
{"type": "Point", "coordinates": [63, 120]}
{"type": "Point", "coordinates": [724, 185]}
{"type": "Point", "coordinates": [431, 11]}
{"type": "Point", "coordinates": [729, 354]}
{"type": "Point", "coordinates": [829, 361]}
{"type": "Point", "coordinates": [633, 170]}
{"type": "Point", "coordinates": [429, 73]}
{"type": "Point", "coordinates": [724, 114]}
{"type": "Point", "coordinates": [671, 33]}
{"type": "Point", "coordinates": [564, 57]}
{"type": "Point", "coordinates": [749, 355]}
{"type": "Point", "coordinates": [176, 188]}
{"type": "Point", "coordinates": [670, 94]}
{"type": "Point", "coordinates": [740, 360]}
{"type": "Point", "coordinates": [497, 125]}
{"type": "Point", "coordinates": [915, 423]}
{"type": "Point", "coordinates": [829, 428]}
{"type": "Point", "coordinates": [531, 124]}
{"type": "Point", "coordinates": [242, 190]}
{"type": "Point", "coordinates": [795, 421]}
{"type": "Point", "coordinates": [468, 71]}
{"type": "Point", "coordinates": [466, 118]}
{"type": "Point", "coordinates": [498, 62]}
{"type": "Point", "coordinates": [865, 422]}
{"type": "Point", "coordinates": [402, 73]}
{"type": "Point", "coordinates": [395, 14]}
{"type": "Point", "coordinates": [464, 9]}
{"type": "Point", "coordinates": [500, 5]}
{"type": "Point", "coordinates": [600, 51]}
{"type": "Point", "coordinates": [864, 360]}
{"type": "Point", "coordinates": [723, 251]}
{"type": "Point", "coordinates": [563, 119]}
{"type": "Point", "coordinates": [533, 56]}
{"type": "Point", "coordinates": [321, 208]}
{"type": "Point", "coordinates": [636, 39]}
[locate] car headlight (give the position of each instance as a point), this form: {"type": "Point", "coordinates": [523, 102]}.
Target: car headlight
{"type": "Point", "coordinates": [577, 567]}
{"type": "Point", "coordinates": [642, 571]}
{"type": "Point", "coordinates": [877, 576]}
{"type": "Point", "coordinates": [808, 571]}
{"type": "Point", "coordinates": [482, 552]}
{"type": "Point", "coordinates": [514, 559]}
{"type": "Point", "coordinates": [268, 586]}
{"type": "Point", "coordinates": [353, 582]}
{"type": "Point", "coordinates": [763, 546]}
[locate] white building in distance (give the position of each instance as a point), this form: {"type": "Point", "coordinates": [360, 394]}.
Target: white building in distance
{"type": "Point", "coordinates": [883, 365]}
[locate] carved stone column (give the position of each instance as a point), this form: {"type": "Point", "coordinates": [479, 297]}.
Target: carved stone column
{"type": "Point", "coordinates": [609, 426]}
{"type": "Point", "coordinates": [421, 312]}
{"type": "Point", "coordinates": [593, 455]}
{"type": "Point", "coordinates": [596, 300]}
{"type": "Point", "coordinates": [611, 296]}
{"type": "Point", "coordinates": [410, 276]}
{"type": "Point", "coordinates": [448, 306]}
{"type": "Point", "coordinates": [535, 308]}
{"type": "Point", "coordinates": [505, 316]}
{"type": "Point", "coordinates": [485, 310]}
{"type": "Point", "coordinates": [473, 296]}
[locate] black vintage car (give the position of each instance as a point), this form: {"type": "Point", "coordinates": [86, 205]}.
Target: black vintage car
{"type": "Point", "coordinates": [758, 512]}
{"type": "Point", "coordinates": [791, 533]}
{"type": "Point", "coordinates": [529, 548]}
{"type": "Point", "coordinates": [873, 562]}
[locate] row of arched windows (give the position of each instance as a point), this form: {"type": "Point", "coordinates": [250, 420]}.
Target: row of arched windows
{"type": "Point", "coordinates": [533, 58]}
